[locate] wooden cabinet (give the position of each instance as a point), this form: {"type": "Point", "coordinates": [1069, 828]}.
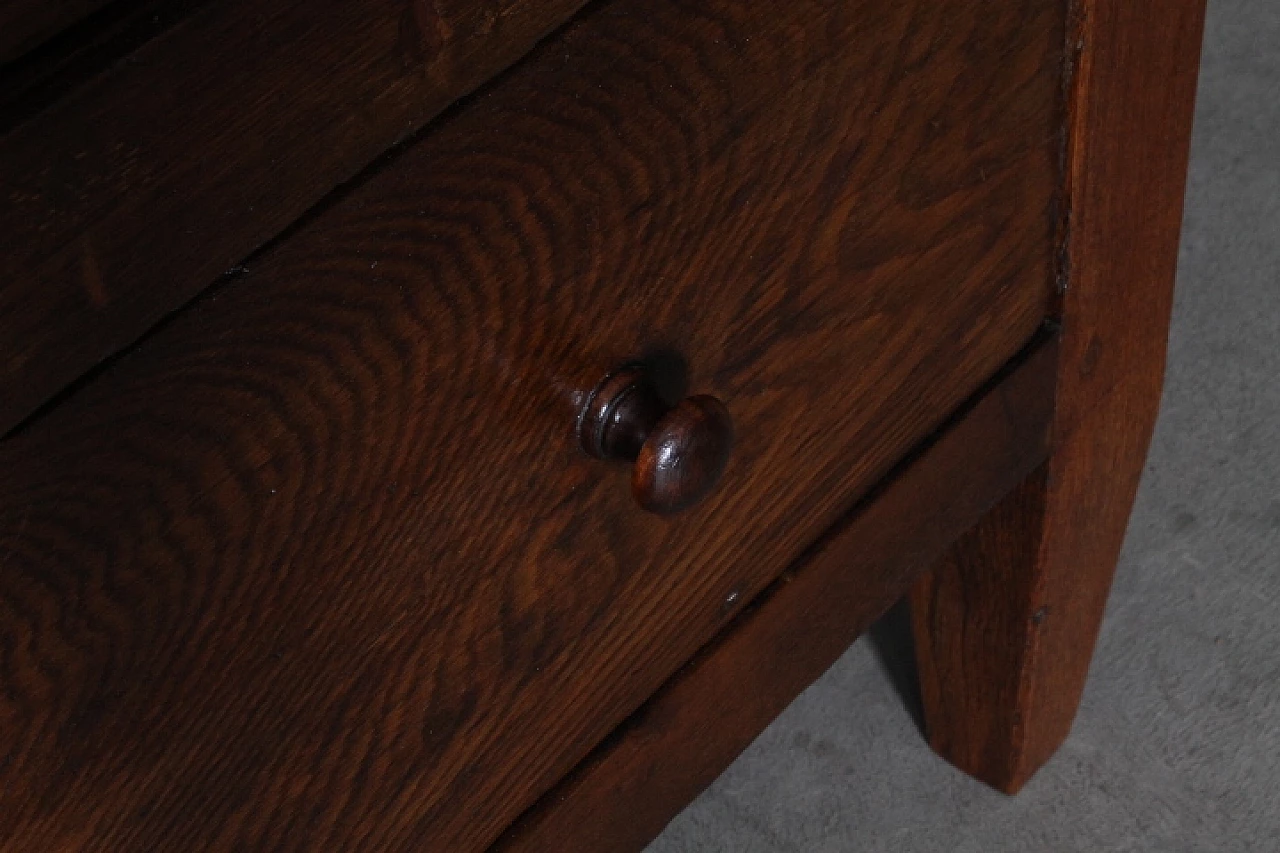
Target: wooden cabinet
{"type": "Point", "coordinates": [317, 560]}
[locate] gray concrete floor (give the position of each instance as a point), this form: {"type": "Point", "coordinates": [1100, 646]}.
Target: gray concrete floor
{"type": "Point", "coordinates": [1177, 745]}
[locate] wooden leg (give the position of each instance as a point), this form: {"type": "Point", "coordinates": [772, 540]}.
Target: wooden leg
{"type": "Point", "coordinates": [1005, 625]}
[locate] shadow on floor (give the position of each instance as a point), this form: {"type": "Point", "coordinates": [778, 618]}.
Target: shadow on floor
{"type": "Point", "coordinates": [895, 650]}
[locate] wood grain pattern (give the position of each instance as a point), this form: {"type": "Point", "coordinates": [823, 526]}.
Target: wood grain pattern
{"type": "Point", "coordinates": [688, 733]}
{"type": "Point", "coordinates": [134, 192]}
{"type": "Point", "coordinates": [1005, 627]}
{"type": "Point", "coordinates": [322, 565]}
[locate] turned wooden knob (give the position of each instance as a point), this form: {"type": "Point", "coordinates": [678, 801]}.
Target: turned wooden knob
{"type": "Point", "coordinates": [677, 452]}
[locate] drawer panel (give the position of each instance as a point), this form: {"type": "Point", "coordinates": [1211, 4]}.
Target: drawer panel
{"type": "Point", "coordinates": [321, 563]}
{"type": "Point", "coordinates": [133, 175]}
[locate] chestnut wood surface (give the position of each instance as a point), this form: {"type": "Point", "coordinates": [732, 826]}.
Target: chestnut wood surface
{"type": "Point", "coordinates": [136, 187]}
{"type": "Point", "coordinates": [663, 756]}
{"type": "Point", "coordinates": [1006, 625]}
{"type": "Point", "coordinates": [321, 563]}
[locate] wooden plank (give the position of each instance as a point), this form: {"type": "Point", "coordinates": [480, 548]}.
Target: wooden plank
{"type": "Point", "coordinates": [321, 564]}
{"type": "Point", "coordinates": [673, 747]}
{"type": "Point", "coordinates": [131, 194]}
{"type": "Point", "coordinates": [82, 52]}
{"type": "Point", "coordinates": [24, 24]}
{"type": "Point", "coordinates": [1005, 628]}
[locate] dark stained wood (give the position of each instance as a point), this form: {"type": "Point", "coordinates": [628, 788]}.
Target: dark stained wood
{"type": "Point", "coordinates": [321, 564]}
{"type": "Point", "coordinates": [132, 193]}
{"type": "Point", "coordinates": [1005, 627]}
{"type": "Point", "coordinates": [676, 745]}
{"type": "Point", "coordinates": [679, 452]}
{"type": "Point", "coordinates": [684, 456]}
{"type": "Point", "coordinates": [24, 24]}
{"type": "Point", "coordinates": [86, 49]}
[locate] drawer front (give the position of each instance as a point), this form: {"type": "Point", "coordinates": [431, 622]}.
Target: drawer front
{"type": "Point", "coordinates": [134, 174]}
{"type": "Point", "coordinates": [322, 564]}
